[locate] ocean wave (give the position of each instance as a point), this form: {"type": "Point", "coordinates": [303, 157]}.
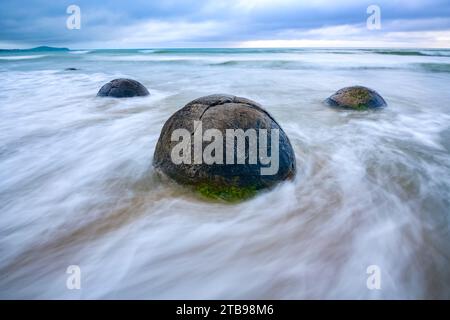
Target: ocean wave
{"type": "Point", "coordinates": [80, 51]}
{"type": "Point", "coordinates": [223, 50]}
{"type": "Point", "coordinates": [425, 53]}
{"type": "Point", "coordinates": [37, 56]}
{"type": "Point", "coordinates": [400, 53]}
{"type": "Point", "coordinates": [435, 67]}
{"type": "Point", "coordinates": [437, 53]}
{"type": "Point", "coordinates": [297, 65]}
{"type": "Point", "coordinates": [147, 51]}
{"type": "Point", "coordinates": [144, 58]}
{"type": "Point", "coordinates": [257, 63]}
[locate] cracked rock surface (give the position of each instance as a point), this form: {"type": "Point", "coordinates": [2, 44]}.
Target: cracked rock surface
{"type": "Point", "coordinates": [223, 112]}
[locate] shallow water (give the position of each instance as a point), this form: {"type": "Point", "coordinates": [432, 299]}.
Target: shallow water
{"type": "Point", "coordinates": [77, 186]}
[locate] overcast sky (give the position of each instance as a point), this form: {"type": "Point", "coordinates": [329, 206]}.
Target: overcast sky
{"type": "Point", "coordinates": [224, 23]}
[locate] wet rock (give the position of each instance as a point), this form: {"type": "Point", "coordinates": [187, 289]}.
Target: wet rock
{"type": "Point", "coordinates": [356, 97]}
{"type": "Point", "coordinates": [228, 178]}
{"type": "Point", "coordinates": [123, 88]}
{"type": "Point", "coordinates": [71, 69]}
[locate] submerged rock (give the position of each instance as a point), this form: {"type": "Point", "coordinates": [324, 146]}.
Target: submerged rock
{"type": "Point", "coordinates": [205, 163]}
{"type": "Point", "coordinates": [356, 97]}
{"type": "Point", "coordinates": [70, 69]}
{"type": "Point", "coordinates": [123, 88]}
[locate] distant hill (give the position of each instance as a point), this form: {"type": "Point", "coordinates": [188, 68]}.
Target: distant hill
{"type": "Point", "coordinates": [37, 49]}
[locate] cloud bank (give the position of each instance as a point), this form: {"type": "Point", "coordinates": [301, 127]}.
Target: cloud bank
{"type": "Point", "coordinates": [225, 23]}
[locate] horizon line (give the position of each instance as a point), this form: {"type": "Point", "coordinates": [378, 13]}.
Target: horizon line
{"type": "Point", "coordinates": [239, 48]}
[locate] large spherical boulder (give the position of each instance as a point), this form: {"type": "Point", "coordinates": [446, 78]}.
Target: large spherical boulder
{"type": "Point", "coordinates": [228, 180]}
{"type": "Point", "coordinates": [123, 88]}
{"type": "Point", "coordinates": [356, 97]}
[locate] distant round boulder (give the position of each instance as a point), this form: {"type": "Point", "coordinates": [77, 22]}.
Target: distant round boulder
{"type": "Point", "coordinates": [356, 97]}
{"type": "Point", "coordinates": [123, 88]}
{"type": "Point", "coordinates": [226, 147]}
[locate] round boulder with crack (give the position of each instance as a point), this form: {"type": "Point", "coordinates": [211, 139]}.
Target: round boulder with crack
{"type": "Point", "coordinates": [217, 119]}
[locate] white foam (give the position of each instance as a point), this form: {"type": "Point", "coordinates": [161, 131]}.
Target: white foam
{"type": "Point", "coordinates": [77, 185]}
{"type": "Point", "coordinates": [37, 56]}
{"type": "Point", "coordinates": [80, 51]}
{"type": "Point", "coordinates": [147, 51]}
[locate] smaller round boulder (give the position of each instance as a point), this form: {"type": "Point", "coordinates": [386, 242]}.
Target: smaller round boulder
{"type": "Point", "coordinates": [123, 88]}
{"type": "Point", "coordinates": [356, 97]}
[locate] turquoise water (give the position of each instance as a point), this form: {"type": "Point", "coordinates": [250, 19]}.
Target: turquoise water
{"type": "Point", "coordinates": [77, 186]}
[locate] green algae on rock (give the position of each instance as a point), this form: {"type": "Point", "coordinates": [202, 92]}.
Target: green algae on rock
{"type": "Point", "coordinates": [357, 98]}
{"type": "Point", "coordinates": [226, 193]}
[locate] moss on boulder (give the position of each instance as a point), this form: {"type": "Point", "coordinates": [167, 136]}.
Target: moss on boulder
{"type": "Point", "coordinates": [357, 98]}
{"type": "Point", "coordinates": [226, 193]}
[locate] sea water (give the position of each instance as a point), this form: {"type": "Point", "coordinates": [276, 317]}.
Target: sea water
{"type": "Point", "coordinates": [77, 185]}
